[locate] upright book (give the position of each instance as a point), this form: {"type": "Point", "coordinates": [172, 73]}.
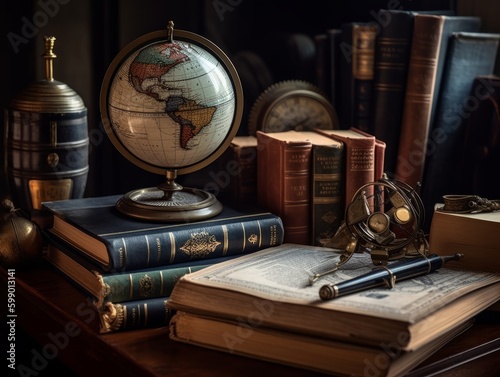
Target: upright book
{"type": "Point", "coordinates": [334, 38]}
{"type": "Point", "coordinates": [480, 156]}
{"type": "Point", "coordinates": [283, 178]}
{"type": "Point", "coordinates": [356, 68]}
{"type": "Point", "coordinates": [392, 55]}
{"type": "Point", "coordinates": [380, 158]}
{"type": "Point", "coordinates": [239, 164]}
{"type": "Point", "coordinates": [427, 57]}
{"type": "Point", "coordinates": [327, 186]}
{"type": "Point", "coordinates": [119, 243]}
{"type": "Point", "coordinates": [359, 159]}
{"type": "Point", "coordinates": [469, 55]}
{"type": "Point", "coordinates": [273, 287]}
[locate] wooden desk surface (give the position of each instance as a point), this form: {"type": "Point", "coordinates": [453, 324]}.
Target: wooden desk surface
{"type": "Point", "coordinates": [62, 320]}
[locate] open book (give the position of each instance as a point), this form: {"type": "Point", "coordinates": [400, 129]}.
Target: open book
{"type": "Point", "coordinates": [271, 288]}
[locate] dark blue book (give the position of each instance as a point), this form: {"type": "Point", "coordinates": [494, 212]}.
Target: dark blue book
{"type": "Point", "coordinates": [119, 243]}
{"type": "Point", "coordinates": [135, 315]}
{"type": "Point", "coordinates": [357, 50]}
{"type": "Point", "coordinates": [117, 287]}
{"type": "Point", "coordinates": [392, 55]}
{"type": "Point", "coordinates": [469, 55]}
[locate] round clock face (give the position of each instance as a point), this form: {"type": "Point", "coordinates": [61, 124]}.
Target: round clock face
{"type": "Point", "coordinates": [292, 105]}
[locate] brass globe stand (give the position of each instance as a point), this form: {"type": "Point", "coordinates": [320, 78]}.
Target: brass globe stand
{"type": "Point", "coordinates": [169, 202]}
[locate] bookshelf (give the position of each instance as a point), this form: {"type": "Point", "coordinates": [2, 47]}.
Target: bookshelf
{"type": "Point", "coordinates": [50, 308]}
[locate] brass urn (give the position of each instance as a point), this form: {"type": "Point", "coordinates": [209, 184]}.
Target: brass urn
{"type": "Point", "coordinates": [46, 141]}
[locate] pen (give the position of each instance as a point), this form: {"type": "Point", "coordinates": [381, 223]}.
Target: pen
{"type": "Point", "coordinates": [387, 275]}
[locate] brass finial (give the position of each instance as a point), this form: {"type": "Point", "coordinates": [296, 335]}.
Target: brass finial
{"type": "Point", "coordinates": [49, 56]}
{"type": "Point", "coordinates": [170, 32]}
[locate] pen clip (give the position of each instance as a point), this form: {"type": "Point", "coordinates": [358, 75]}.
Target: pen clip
{"type": "Point", "coordinates": [391, 280]}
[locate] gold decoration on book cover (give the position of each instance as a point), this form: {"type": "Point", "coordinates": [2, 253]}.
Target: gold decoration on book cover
{"type": "Point", "coordinates": [200, 245]}
{"type": "Point", "coordinates": [253, 239]}
{"type": "Point", "coordinates": [146, 286]}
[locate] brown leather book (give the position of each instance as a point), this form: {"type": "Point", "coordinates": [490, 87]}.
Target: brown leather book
{"type": "Point", "coordinates": [428, 51]}
{"type": "Point", "coordinates": [239, 164]}
{"type": "Point", "coordinates": [283, 179]}
{"type": "Point", "coordinates": [477, 172]}
{"type": "Point", "coordinates": [359, 152]}
{"type": "Point", "coordinates": [380, 151]}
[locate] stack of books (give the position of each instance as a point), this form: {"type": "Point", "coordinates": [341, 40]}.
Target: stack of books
{"type": "Point", "coordinates": [129, 267]}
{"type": "Point", "coordinates": [264, 306]}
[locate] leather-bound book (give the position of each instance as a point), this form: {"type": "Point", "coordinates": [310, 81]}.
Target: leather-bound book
{"type": "Point", "coordinates": [238, 171]}
{"type": "Point", "coordinates": [480, 157]}
{"type": "Point", "coordinates": [283, 178]}
{"type": "Point", "coordinates": [380, 158]}
{"type": "Point", "coordinates": [359, 154]}
{"type": "Point", "coordinates": [392, 54]}
{"type": "Point", "coordinates": [427, 56]}
{"type": "Point", "coordinates": [119, 243]}
{"type": "Point", "coordinates": [469, 55]}
{"type": "Point", "coordinates": [134, 315]}
{"type": "Point", "coordinates": [356, 69]}
{"type": "Point", "coordinates": [334, 39]}
{"type": "Point", "coordinates": [327, 186]}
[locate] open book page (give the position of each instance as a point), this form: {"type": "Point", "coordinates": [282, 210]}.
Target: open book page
{"type": "Point", "coordinates": [281, 274]}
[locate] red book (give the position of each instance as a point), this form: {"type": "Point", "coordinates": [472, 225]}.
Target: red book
{"type": "Point", "coordinates": [283, 179]}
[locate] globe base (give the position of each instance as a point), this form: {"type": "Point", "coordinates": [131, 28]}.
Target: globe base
{"type": "Point", "coordinates": [186, 205]}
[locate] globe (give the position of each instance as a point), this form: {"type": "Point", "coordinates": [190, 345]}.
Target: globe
{"type": "Point", "coordinates": [171, 102]}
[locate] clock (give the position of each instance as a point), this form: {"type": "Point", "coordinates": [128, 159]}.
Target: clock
{"type": "Point", "coordinates": [292, 105]}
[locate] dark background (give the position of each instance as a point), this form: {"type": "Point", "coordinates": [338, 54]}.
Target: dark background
{"type": "Point", "coordinates": [254, 33]}
{"type": "Point", "coordinates": [268, 41]}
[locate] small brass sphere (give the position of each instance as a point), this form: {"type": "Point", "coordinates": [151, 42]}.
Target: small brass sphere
{"type": "Point", "coordinates": [21, 242]}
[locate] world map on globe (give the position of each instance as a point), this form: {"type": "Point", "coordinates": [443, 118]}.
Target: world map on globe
{"type": "Point", "coordinates": [171, 104]}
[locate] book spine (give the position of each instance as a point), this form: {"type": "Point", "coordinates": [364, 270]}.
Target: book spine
{"type": "Point", "coordinates": [481, 150]}
{"type": "Point", "coordinates": [363, 73]}
{"type": "Point", "coordinates": [327, 192]}
{"type": "Point", "coordinates": [379, 157]}
{"type": "Point", "coordinates": [283, 177]}
{"type": "Point", "coordinates": [360, 165]}
{"type": "Point", "coordinates": [133, 315]}
{"type": "Point", "coordinates": [469, 55]}
{"type": "Point", "coordinates": [244, 187]}
{"type": "Point", "coordinates": [246, 235]}
{"type": "Point", "coordinates": [418, 100]}
{"type": "Point", "coordinates": [427, 60]}
{"type": "Point", "coordinates": [392, 54]}
{"type": "Point", "coordinates": [346, 99]}
{"type": "Point", "coordinates": [296, 192]}
{"type": "Point", "coordinates": [334, 38]}
{"type": "Point", "coordinates": [322, 63]}
{"type": "Point", "coordinates": [141, 285]}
